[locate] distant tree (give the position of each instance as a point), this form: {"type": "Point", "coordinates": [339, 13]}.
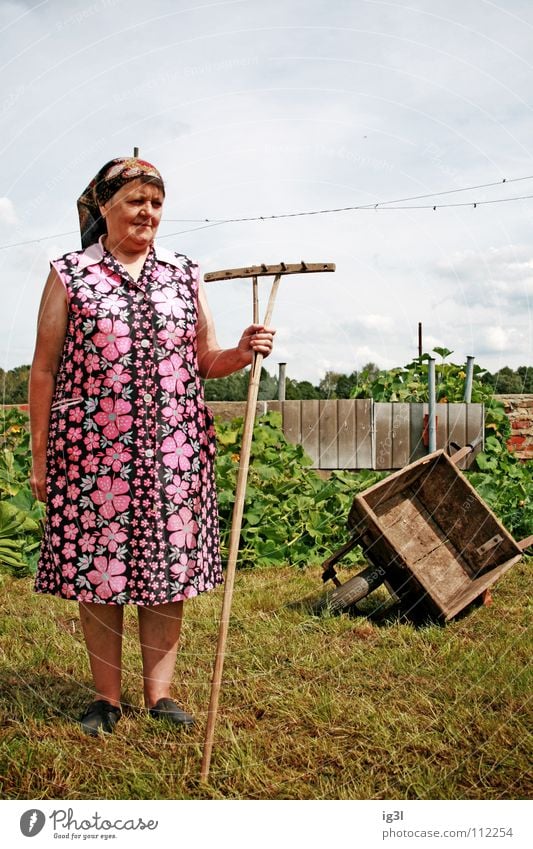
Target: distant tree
{"type": "Point", "coordinates": [14, 385]}
{"type": "Point", "coordinates": [328, 384]}
{"type": "Point", "coordinates": [308, 392]}
{"type": "Point", "coordinates": [526, 375]}
{"type": "Point", "coordinates": [369, 371]}
{"type": "Point", "coordinates": [506, 381]}
{"type": "Point", "coordinates": [268, 386]}
{"type": "Point", "coordinates": [300, 390]}
{"type": "Point", "coordinates": [345, 384]}
{"type": "Point", "coordinates": [234, 387]}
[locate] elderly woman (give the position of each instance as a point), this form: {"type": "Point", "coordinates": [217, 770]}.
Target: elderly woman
{"type": "Point", "coordinates": [122, 442]}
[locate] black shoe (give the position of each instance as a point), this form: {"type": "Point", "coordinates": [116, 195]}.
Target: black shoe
{"type": "Point", "coordinates": [100, 716]}
{"type": "Point", "coordinates": [169, 709]}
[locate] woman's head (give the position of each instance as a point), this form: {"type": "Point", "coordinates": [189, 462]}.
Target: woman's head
{"type": "Point", "coordinates": [132, 215]}
{"type": "Point", "coordinates": [117, 179]}
{"type": "Point", "coordinates": [119, 172]}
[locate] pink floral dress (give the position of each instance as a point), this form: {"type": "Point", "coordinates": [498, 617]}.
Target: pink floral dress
{"type": "Point", "coordinates": [131, 513]}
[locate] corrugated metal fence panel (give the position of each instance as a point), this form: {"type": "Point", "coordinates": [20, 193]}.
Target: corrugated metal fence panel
{"type": "Point", "coordinates": [310, 427]}
{"type": "Point", "coordinates": [382, 436]}
{"type": "Point", "coordinates": [417, 449]}
{"type": "Point", "coordinates": [364, 442]}
{"type": "Point", "coordinates": [363, 434]}
{"type": "Point", "coordinates": [346, 421]}
{"type": "Point", "coordinates": [328, 435]}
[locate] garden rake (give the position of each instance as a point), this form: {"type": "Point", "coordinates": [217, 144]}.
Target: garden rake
{"type": "Point", "coordinates": [253, 388]}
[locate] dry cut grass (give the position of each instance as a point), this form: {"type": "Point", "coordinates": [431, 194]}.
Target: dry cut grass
{"type": "Point", "coordinates": [312, 707]}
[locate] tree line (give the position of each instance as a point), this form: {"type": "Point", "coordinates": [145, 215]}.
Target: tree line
{"type": "Point", "coordinates": [14, 384]}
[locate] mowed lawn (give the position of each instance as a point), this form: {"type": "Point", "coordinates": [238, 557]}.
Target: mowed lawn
{"type": "Point", "coordinates": [312, 707]}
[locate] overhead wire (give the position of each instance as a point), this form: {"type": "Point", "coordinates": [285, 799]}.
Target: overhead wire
{"type": "Point", "coordinates": [395, 204]}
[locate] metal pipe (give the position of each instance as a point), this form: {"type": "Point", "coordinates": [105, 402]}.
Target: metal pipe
{"type": "Point", "coordinates": [432, 407]}
{"type": "Point", "coordinates": [281, 381]}
{"type": "Point", "coordinates": [419, 339]}
{"type": "Point", "coordinates": [467, 398]}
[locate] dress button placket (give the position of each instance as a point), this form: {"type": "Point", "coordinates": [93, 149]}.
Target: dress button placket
{"type": "Point", "coordinates": [146, 386]}
{"type": "Point", "coordinates": [147, 396]}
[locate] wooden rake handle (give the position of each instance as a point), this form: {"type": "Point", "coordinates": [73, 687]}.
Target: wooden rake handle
{"type": "Point", "coordinates": [244, 463]}
{"type": "Point", "coordinates": [236, 524]}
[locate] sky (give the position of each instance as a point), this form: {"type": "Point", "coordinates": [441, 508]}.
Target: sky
{"type": "Point", "coordinates": [254, 108]}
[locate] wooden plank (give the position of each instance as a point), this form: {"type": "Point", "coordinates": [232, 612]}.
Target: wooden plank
{"type": "Point", "coordinates": [442, 426]}
{"type": "Point", "coordinates": [400, 435]}
{"type": "Point", "coordinates": [383, 435]}
{"type": "Point", "coordinates": [475, 588]}
{"type": "Point", "coordinates": [263, 270]}
{"type": "Point", "coordinates": [346, 434]}
{"type": "Point", "coordinates": [475, 427]}
{"type": "Point", "coordinates": [397, 482]}
{"type": "Point", "coordinates": [380, 551]}
{"type": "Point", "coordinates": [465, 519]}
{"type": "Point", "coordinates": [292, 421]}
{"type": "Point", "coordinates": [363, 433]}
{"type": "Point", "coordinates": [416, 429]}
{"type": "Point", "coordinates": [442, 575]}
{"type": "Point", "coordinates": [328, 434]}
{"type": "Point", "coordinates": [310, 413]}
{"type": "Point", "coordinates": [457, 426]}
{"type": "Point", "coordinates": [424, 547]}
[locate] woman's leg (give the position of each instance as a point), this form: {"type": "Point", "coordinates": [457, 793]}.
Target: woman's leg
{"type": "Point", "coordinates": [159, 633]}
{"type": "Point", "coordinates": [102, 629]}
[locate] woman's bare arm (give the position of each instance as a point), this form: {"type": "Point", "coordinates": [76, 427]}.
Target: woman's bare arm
{"type": "Point", "coordinates": [51, 330]}
{"type": "Point", "coordinates": [214, 361]}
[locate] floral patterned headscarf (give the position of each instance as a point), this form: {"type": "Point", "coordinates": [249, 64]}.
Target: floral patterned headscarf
{"type": "Point", "coordinates": [108, 181]}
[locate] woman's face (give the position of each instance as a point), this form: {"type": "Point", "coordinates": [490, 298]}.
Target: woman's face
{"type": "Point", "coordinates": [132, 216]}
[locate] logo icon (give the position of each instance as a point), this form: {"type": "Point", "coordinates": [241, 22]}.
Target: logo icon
{"type": "Point", "coordinates": [32, 822]}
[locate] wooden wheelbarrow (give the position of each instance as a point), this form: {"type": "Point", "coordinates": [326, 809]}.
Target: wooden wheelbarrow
{"type": "Point", "coordinates": [429, 537]}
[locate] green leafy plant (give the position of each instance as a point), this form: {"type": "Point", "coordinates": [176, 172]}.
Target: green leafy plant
{"type": "Point", "coordinates": [410, 383]}
{"type": "Point", "coordinates": [21, 516]}
{"type": "Point", "coordinates": [291, 515]}
{"type": "Point", "coordinates": [506, 484]}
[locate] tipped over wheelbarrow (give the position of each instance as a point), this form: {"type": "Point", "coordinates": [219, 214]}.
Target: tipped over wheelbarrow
{"type": "Point", "coordinates": [428, 537]}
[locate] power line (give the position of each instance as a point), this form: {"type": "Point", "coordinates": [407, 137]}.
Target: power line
{"type": "Point", "coordinates": [395, 204]}
{"type": "Point", "coordinates": [40, 239]}
{"type": "Point", "coordinates": [377, 207]}
{"type": "Point", "coordinates": [354, 208]}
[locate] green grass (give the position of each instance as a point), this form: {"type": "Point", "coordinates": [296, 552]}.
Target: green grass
{"type": "Point", "coordinates": [312, 707]}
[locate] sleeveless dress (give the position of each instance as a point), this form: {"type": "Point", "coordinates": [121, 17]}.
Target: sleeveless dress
{"type": "Point", "coordinates": [131, 513]}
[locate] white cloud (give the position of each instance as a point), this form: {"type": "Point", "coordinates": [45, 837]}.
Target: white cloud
{"type": "Point", "coordinates": [497, 339]}
{"type": "Point", "coordinates": [7, 212]}
{"type": "Point", "coordinates": [500, 277]}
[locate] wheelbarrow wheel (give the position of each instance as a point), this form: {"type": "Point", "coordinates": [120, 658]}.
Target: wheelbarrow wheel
{"type": "Point", "coordinates": [357, 588]}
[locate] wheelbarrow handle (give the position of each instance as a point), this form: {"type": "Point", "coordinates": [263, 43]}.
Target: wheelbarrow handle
{"type": "Point", "coordinates": [329, 573]}
{"type": "Point", "coordinates": [525, 543]}
{"type": "Point", "coordinates": [464, 452]}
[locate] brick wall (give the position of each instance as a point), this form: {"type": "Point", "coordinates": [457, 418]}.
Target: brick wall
{"type": "Point", "coordinates": [519, 409]}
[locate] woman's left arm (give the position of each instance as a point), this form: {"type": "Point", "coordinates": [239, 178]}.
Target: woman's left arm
{"type": "Point", "coordinates": [214, 361]}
